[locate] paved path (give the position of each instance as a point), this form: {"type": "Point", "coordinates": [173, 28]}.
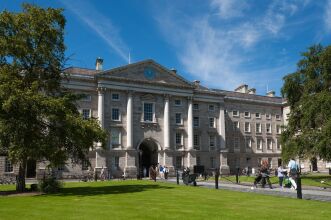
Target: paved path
{"type": "Point", "coordinates": [313, 193]}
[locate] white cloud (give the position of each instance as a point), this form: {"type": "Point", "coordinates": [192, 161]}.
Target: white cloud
{"type": "Point", "coordinates": [327, 16]}
{"type": "Point", "coordinates": [229, 8]}
{"type": "Point", "coordinates": [100, 24]}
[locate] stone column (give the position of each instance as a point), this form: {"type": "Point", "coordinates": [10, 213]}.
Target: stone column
{"type": "Point", "coordinates": [129, 122]}
{"type": "Point", "coordinates": [99, 160]}
{"type": "Point", "coordinates": [189, 131]}
{"type": "Point", "coordinates": [166, 125]}
{"type": "Point", "coordinates": [221, 128]}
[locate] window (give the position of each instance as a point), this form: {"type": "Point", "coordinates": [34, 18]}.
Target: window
{"type": "Point", "coordinates": [8, 166]}
{"type": "Point", "coordinates": [86, 98]}
{"type": "Point", "coordinates": [268, 116]}
{"type": "Point", "coordinates": [116, 162]}
{"type": "Point", "coordinates": [196, 140]}
{"type": "Point", "coordinates": [270, 162]}
{"type": "Point", "coordinates": [278, 117]}
{"type": "Point", "coordinates": [115, 114]}
{"type": "Point", "coordinates": [269, 144]}
{"type": "Point", "coordinates": [268, 128]}
{"type": "Point", "coordinates": [115, 138]}
{"type": "Point", "coordinates": [86, 113]}
{"type": "Point", "coordinates": [247, 114]}
{"type": "Point", "coordinates": [178, 162]}
{"type": "Point", "coordinates": [212, 122]}
{"type": "Point", "coordinates": [211, 107]}
{"type": "Point", "coordinates": [148, 112]}
{"type": "Point", "coordinates": [257, 115]}
{"type": "Point", "coordinates": [196, 121]}
{"type": "Point", "coordinates": [195, 106]}
{"type": "Point", "coordinates": [236, 143]}
{"type": "Point", "coordinates": [248, 142]}
{"type": "Point", "coordinates": [212, 141]}
{"type": "Point", "coordinates": [279, 146]}
{"type": "Point", "coordinates": [85, 165]}
{"type": "Point", "coordinates": [178, 102]}
{"type": "Point", "coordinates": [259, 161]}
{"type": "Point", "coordinates": [258, 128]}
{"type": "Point", "coordinates": [115, 96]}
{"type": "Point", "coordinates": [247, 127]}
{"type": "Point", "coordinates": [278, 129]}
{"type": "Point", "coordinates": [198, 161]}
{"type": "Point", "coordinates": [259, 144]}
{"type": "Point", "coordinates": [179, 139]}
{"type": "Point", "coordinates": [212, 162]}
{"type": "Point", "coordinates": [178, 118]}
{"type": "Point", "coordinates": [236, 125]}
{"type": "Point", "coordinates": [235, 113]}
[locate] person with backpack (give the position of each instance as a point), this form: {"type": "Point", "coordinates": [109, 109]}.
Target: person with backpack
{"type": "Point", "coordinates": [265, 174]}
{"type": "Point", "coordinates": [293, 170]}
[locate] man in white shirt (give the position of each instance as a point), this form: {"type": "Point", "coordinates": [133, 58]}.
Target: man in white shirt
{"type": "Point", "coordinates": [293, 169]}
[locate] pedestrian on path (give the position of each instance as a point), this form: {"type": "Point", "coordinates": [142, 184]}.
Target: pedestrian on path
{"type": "Point", "coordinates": [280, 174]}
{"type": "Point", "coordinates": [265, 174]}
{"type": "Point", "coordinates": [293, 170]}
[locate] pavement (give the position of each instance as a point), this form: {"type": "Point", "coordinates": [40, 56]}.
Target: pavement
{"type": "Point", "coordinates": [308, 193]}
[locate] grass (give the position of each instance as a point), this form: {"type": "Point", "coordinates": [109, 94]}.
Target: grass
{"type": "Point", "coordinates": [149, 200]}
{"type": "Point", "coordinates": [306, 180]}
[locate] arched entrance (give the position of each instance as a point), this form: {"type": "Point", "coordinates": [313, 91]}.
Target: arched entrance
{"type": "Point", "coordinates": [148, 156]}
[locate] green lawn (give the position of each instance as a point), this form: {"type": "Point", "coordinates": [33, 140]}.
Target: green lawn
{"type": "Point", "coordinates": [148, 200]}
{"type": "Point", "coordinates": [306, 180]}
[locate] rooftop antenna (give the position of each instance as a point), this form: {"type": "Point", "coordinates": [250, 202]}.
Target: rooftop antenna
{"type": "Point", "coordinates": [267, 88]}
{"type": "Point", "coordinates": [129, 57]}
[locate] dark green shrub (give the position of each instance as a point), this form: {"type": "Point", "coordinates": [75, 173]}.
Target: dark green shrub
{"type": "Point", "coordinates": [49, 185]}
{"type": "Point", "coordinates": [34, 187]}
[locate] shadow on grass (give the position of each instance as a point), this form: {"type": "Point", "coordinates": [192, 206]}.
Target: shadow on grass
{"type": "Point", "coordinates": [104, 190]}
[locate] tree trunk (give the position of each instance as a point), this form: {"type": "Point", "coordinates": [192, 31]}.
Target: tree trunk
{"type": "Point", "coordinates": [20, 179]}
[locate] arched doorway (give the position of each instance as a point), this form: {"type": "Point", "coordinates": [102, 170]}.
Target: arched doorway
{"type": "Point", "coordinates": [148, 156]}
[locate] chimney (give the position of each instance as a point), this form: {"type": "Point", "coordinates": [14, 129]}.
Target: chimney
{"type": "Point", "coordinates": [271, 93]}
{"type": "Point", "coordinates": [252, 91]}
{"type": "Point", "coordinates": [196, 83]}
{"type": "Point", "coordinates": [98, 63]}
{"type": "Point", "coordinates": [173, 70]}
{"type": "Point", "coordinates": [242, 88]}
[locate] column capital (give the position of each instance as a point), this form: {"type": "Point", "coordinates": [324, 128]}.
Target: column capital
{"type": "Point", "coordinates": [101, 89]}
{"type": "Point", "coordinates": [166, 96]}
{"type": "Point", "coordinates": [130, 92]}
{"type": "Point", "coordinates": [190, 98]}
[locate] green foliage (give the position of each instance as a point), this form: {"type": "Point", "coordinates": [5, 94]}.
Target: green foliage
{"type": "Point", "coordinates": [38, 116]}
{"type": "Point", "coordinates": [49, 185]}
{"type": "Point", "coordinates": [308, 94]}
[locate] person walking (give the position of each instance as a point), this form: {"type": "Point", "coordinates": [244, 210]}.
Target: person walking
{"type": "Point", "coordinates": [293, 170]}
{"type": "Point", "coordinates": [265, 174]}
{"type": "Point", "coordinates": [161, 171]}
{"type": "Point", "coordinates": [280, 174]}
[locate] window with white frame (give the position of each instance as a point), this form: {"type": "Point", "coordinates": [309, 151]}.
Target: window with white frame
{"type": "Point", "coordinates": [116, 162]}
{"type": "Point", "coordinates": [115, 96]}
{"type": "Point", "coordinates": [86, 113]}
{"type": "Point", "coordinates": [248, 142]}
{"type": "Point", "coordinates": [212, 141]}
{"type": "Point", "coordinates": [178, 118]}
{"type": "Point", "coordinates": [236, 125]}
{"type": "Point", "coordinates": [85, 165]}
{"type": "Point", "coordinates": [277, 117]}
{"type": "Point", "coordinates": [279, 146]}
{"type": "Point", "coordinates": [278, 129]}
{"type": "Point", "coordinates": [270, 162]}
{"type": "Point", "coordinates": [115, 114]}
{"type": "Point", "coordinates": [247, 127]}
{"type": "Point", "coordinates": [198, 161]}
{"type": "Point", "coordinates": [235, 113]}
{"type": "Point", "coordinates": [268, 128]}
{"type": "Point", "coordinates": [8, 166]}
{"type": "Point", "coordinates": [212, 162]}
{"type": "Point", "coordinates": [179, 138]}
{"type": "Point", "coordinates": [196, 121]}
{"type": "Point", "coordinates": [211, 107]}
{"type": "Point", "coordinates": [259, 144]}
{"type": "Point", "coordinates": [115, 138]}
{"type": "Point", "coordinates": [196, 140]}
{"type": "Point", "coordinates": [178, 162]}
{"type": "Point", "coordinates": [195, 106]}
{"type": "Point", "coordinates": [86, 98]}
{"type": "Point", "coordinates": [268, 116]}
{"type": "Point", "coordinates": [247, 114]}
{"type": "Point", "coordinates": [212, 122]}
{"type": "Point", "coordinates": [178, 102]}
{"type": "Point", "coordinates": [236, 143]}
{"type": "Point", "coordinates": [258, 128]}
{"type": "Point", "coordinates": [148, 112]}
{"type": "Point", "coordinates": [269, 144]}
{"type": "Point", "coordinates": [257, 115]}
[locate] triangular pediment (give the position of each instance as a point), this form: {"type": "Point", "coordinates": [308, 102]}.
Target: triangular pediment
{"type": "Point", "coordinates": [146, 71]}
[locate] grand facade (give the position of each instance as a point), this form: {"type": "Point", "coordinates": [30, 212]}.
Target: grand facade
{"type": "Point", "coordinates": [153, 115]}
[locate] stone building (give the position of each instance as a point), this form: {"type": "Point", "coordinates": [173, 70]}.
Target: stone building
{"type": "Point", "coordinates": [153, 115]}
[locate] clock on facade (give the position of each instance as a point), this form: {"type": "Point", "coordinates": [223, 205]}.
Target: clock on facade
{"type": "Point", "coordinates": [149, 73]}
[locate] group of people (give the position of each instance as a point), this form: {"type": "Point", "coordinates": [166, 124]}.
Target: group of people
{"type": "Point", "coordinates": [291, 173]}
{"type": "Point", "coordinates": [156, 170]}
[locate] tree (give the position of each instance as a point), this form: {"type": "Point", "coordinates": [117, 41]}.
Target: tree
{"type": "Point", "coordinates": [308, 94]}
{"type": "Point", "coordinates": [38, 116]}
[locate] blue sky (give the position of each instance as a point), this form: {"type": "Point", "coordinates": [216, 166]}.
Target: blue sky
{"type": "Point", "coordinates": [222, 43]}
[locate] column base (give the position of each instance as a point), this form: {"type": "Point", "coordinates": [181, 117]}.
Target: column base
{"type": "Point", "coordinates": [225, 169]}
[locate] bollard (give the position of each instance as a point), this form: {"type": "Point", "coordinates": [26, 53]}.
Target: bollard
{"type": "Point", "coordinates": [217, 174]}
{"type": "Point", "coordinates": [237, 176]}
{"type": "Point", "coordinates": [177, 177]}
{"type": "Point", "coordinates": [299, 189]}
